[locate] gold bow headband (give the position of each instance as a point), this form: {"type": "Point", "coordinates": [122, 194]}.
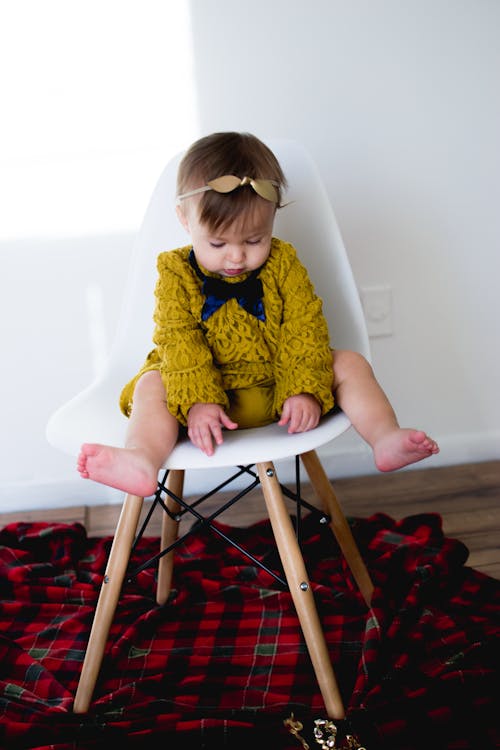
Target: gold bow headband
{"type": "Point", "coordinates": [228, 182]}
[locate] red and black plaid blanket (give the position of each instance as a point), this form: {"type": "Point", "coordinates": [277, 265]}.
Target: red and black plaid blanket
{"type": "Point", "coordinates": [223, 663]}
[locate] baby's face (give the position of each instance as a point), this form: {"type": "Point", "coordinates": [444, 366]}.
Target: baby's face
{"type": "Point", "coordinates": [242, 247]}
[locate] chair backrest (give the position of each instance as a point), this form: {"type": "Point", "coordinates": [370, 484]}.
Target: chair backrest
{"type": "Point", "coordinates": [308, 223]}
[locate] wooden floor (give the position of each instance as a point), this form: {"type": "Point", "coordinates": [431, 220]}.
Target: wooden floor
{"type": "Point", "coordinates": [466, 496]}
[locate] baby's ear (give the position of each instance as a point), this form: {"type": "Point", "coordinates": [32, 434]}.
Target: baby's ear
{"type": "Point", "coordinates": [182, 217]}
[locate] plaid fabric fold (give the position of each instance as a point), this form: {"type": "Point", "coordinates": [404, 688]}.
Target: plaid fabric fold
{"type": "Point", "coordinates": [223, 663]}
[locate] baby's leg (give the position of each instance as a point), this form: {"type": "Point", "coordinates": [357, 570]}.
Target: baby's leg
{"type": "Point", "coordinates": [359, 395]}
{"type": "Point", "coordinates": [151, 435]}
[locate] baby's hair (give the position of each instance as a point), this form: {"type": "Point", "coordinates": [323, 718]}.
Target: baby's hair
{"type": "Point", "coordinates": [239, 154]}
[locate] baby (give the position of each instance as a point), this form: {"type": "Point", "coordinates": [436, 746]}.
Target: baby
{"type": "Point", "coordinates": [240, 337]}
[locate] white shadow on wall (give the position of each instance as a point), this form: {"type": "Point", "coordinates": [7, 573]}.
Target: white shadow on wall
{"type": "Point", "coordinates": [97, 97]}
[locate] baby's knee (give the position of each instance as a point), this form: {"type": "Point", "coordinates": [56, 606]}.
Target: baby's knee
{"type": "Point", "coordinates": [150, 384]}
{"type": "Point", "coordinates": [347, 363]}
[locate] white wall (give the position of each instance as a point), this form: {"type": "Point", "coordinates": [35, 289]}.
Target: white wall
{"type": "Point", "coordinates": [399, 103]}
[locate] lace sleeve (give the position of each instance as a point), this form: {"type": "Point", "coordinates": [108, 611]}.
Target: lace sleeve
{"type": "Point", "coordinates": [186, 363]}
{"type": "Point", "coordinates": [303, 359]}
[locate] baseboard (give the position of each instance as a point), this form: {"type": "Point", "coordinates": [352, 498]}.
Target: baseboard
{"type": "Point", "coordinates": [347, 456]}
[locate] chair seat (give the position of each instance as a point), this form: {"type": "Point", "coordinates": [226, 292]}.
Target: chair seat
{"type": "Point", "coordinates": [93, 416]}
{"type": "Point", "coordinates": [270, 443]}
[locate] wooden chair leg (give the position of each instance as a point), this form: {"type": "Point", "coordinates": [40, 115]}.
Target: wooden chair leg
{"type": "Point", "coordinates": [300, 589]}
{"type": "Point", "coordinates": [338, 523]}
{"type": "Point", "coordinates": [169, 533]}
{"type": "Point", "coordinates": [108, 599]}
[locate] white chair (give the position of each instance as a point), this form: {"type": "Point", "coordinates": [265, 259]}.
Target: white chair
{"type": "Point", "coordinates": [93, 415]}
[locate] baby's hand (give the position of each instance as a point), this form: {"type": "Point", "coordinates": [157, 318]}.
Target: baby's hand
{"type": "Point", "coordinates": [301, 413]}
{"type": "Point", "coordinates": [205, 423]}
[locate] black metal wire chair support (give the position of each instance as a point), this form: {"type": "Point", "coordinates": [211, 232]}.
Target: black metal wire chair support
{"type": "Point", "coordinates": [207, 521]}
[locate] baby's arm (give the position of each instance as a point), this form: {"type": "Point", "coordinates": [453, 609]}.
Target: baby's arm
{"type": "Point", "coordinates": [303, 360]}
{"type": "Point", "coordinates": [205, 423]}
{"type": "Point", "coordinates": [186, 360]}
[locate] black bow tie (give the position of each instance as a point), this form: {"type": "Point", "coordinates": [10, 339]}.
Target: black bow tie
{"type": "Point", "coordinates": [248, 293]}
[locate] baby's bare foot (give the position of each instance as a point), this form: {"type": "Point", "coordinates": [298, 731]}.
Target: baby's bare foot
{"type": "Point", "coordinates": [123, 468]}
{"type": "Point", "coordinates": [402, 447]}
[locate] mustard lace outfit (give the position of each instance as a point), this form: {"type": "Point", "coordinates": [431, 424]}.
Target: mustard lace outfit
{"type": "Point", "coordinates": [247, 365]}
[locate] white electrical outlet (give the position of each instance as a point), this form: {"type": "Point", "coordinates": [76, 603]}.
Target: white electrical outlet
{"type": "Point", "coordinates": [377, 306]}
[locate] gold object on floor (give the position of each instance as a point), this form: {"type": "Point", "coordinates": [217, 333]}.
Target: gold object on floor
{"type": "Point", "coordinates": [325, 733]}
